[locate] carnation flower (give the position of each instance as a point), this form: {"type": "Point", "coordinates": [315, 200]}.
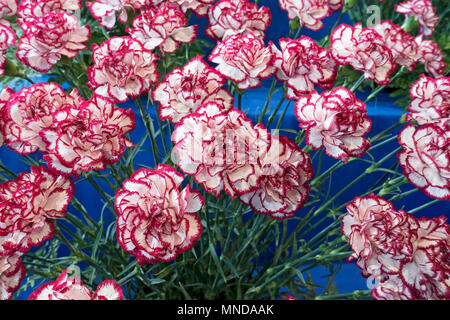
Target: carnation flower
{"type": "Point", "coordinates": [379, 236]}
{"type": "Point", "coordinates": [427, 274]}
{"type": "Point", "coordinates": [431, 56]}
{"type": "Point", "coordinates": [425, 159]}
{"type": "Point", "coordinates": [408, 257]}
{"type": "Point", "coordinates": [163, 27]}
{"type": "Point", "coordinates": [244, 60]}
{"type": "Point", "coordinates": [30, 112]}
{"type": "Point", "coordinates": [282, 179]}
{"type": "Point", "coordinates": [27, 203]}
{"type": "Point", "coordinates": [88, 137]}
{"type": "Point", "coordinates": [70, 288]}
{"type": "Point", "coordinates": [5, 94]}
{"type": "Point", "coordinates": [8, 8]}
{"type": "Point", "coordinates": [229, 17]}
{"type": "Point", "coordinates": [12, 272]}
{"type": "Point", "coordinates": [122, 67]}
{"type": "Point", "coordinates": [49, 37]}
{"type": "Point", "coordinates": [199, 7]}
{"type": "Point", "coordinates": [184, 90]}
{"type": "Point", "coordinates": [7, 38]}
{"type": "Point", "coordinates": [104, 11]}
{"type": "Point", "coordinates": [404, 49]}
{"type": "Point", "coordinates": [364, 50]}
{"type": "Point", "coordinates": [221, 150]}
{"type": "Point", "coordinates": [156, 221]}
{"type": "Point", "coordinates": [335, 120]}
{"type": "Point", "coordinates": [303, 65]}
{"type": "Point", "coordinates": [430, 101]}
{"type": "Point", "coordinates": [29, 10]}
{"type": "Point", "coordinates": [310, 12]}
{"type": "Point", "coordinates": [424, 13]}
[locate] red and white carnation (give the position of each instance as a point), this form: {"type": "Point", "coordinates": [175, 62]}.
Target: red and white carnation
{"type": "Point", "coordinates": [335, 120]}
{"type": "Point", "coordinates": [29, 10]}
{"type": "Point", "coordinates": [230, 17]}
{"type": "Point", "coordinates": [71, 288]}
{"type": "Point", "coordinates": [431, 56]}
{"type": "Point", "coordinates": [12, 272]}
{"type": "Point", "coordinates": [425, 158]}
{"type": "Point", "coordinates": [8, 8]}
{"type": "Point", "coordinates": [303, 65]}
{"type": "Point", "coordinates": [244, 60]}
{"type": "Point", "coordinates": [408, 257]}
{"type": "Point", "coordinates": [364, 50]}
{"type": "Point", "coordinates": [424, 13]}
{"type": "Point", "coordinates": [48, 38]}
{"type": "Point", "coordinates": [199, 7]}
{"type": "Point", "coordinates": [30, 112]}
{"type": "Point", "coordinates": [380, 236]}
{"type": "Point", "coordinates": [104, 11]}
{"type": "Point", "coordinates": [427, 273]}
{"type": "Point", "coordinates": [282, 180]}
{"type": "Point", "coordinates": [163, 27]}
{"type": "Point", "coordinates": [221, 150]}
{"type": "Point", "coordinates": [26, 205]}
{"type": "Point", "coordinates": [430, 101]}
{"type": "Point", "coordinates": [156, 221]}
{"type": "Point", "coordinates": [88, 137]}
{"type": "Point", "coordinates": [184, 90]}
{"type": "Point", "coordinates": [310, 12]}
{"type": "Point", "coordinates": [7, 38]}
{"type": "Point", "coordinates": [403, 46]}
{"type": "Point", "coordinates": [5, 94]}
{"type": "Point", "coordinates": [122, 67]}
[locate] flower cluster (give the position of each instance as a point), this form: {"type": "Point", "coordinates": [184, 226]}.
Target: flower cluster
{"type": "Point", "coordinates": [104, 11]}
{"type": "Point", "coordinates": [431, 56]}
{"type": "Point", "coordinates": [425, 158]}
{"type": "Point", "coordinates": [243, 59]}
{"type": "Point", "coordinates": [12, 272]}
{"type": "Point", "coordinates": [30, 112]}
{"type": "Point", "coordinates": [223, 151]}
{"type": "Point", "coordinates": [122, 67]}
{"type": "Point", "coordinates": [199, 7]}
{"type": "Point", "coordinates": [163, 27]}
{"type": "Point", "coordinates": [303, 65]}
{"type": "Point", "coordinates": [156, 221]}
{"type": "Point", "coordinates": [335, 120]}
{"type": "Point", "coordinates": [430, 101]}
{"type": "Point", "coordinates": [7, 38]}
{"type": "Point", "coordinates": [48, 38]}
{"type": "Point", "coordinates": [184, 90]}
{"type": "Point", "coordinates": [26, 205]}
{"type": "Point", "coordinates": [408, 257]}
{"type": "Point", "coordinates": [402, 45]}
{"type": "Point", "coordinates": [28, 10]}
{"type": "Point", "coordinates": [282, 179]}
{"type": "Point", "coordinates": [364, 50]}
{"type": "Point", "coordinates": [310, 12]}
{"type": "Point", "coordinates": [424, 13]}
{"type": "Point", "coordinates": [230, 17]}
{"type": "Point", "coordinates": [70, 288]}
{"type": "Point", "coordinates": [88, 137]}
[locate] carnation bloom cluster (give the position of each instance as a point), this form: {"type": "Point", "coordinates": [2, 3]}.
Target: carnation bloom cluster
{"type": "Point", "coordinates": [163, 27]}
{"type": "Point", "coordinates": [223, 151]}
{"type": "Point", "coordinates": [26, 206]}
{"type": "Point", "coordinates": [407, 256]}
{"type": "Point", "coordinates": [198, 217]}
